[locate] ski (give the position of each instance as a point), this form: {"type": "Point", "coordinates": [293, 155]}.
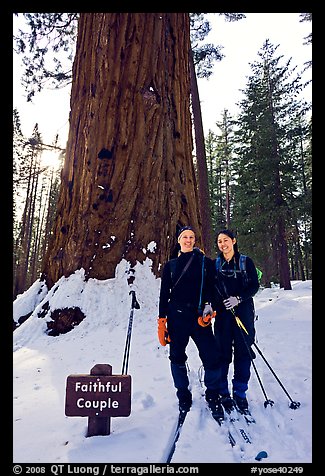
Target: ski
{"type": "Point", "coordinates": [238, 428]}
{"type": "Point", "coordinates": [233, 425]}
{"type": "Point", "coordinates": [249, 419]}
{"type": "Point", "coordinates": [238, 419]}
{"type": "Point", "coordinates": [247, 415]}
{"type": "Point", "coordinates": [220, 422]}
{"type": "Point", "coordinates": [180, 421]}
{"type": "Point", "coordinates": [235, 418]}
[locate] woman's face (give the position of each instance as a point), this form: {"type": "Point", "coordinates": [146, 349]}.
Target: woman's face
{"type": "Point", "coordinates": [225, 243]}
{"type": "Point", "coordinates": [187, 241]}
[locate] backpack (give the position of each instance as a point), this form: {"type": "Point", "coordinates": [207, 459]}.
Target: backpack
{"type": "Point", "coordinates": [242, 268]}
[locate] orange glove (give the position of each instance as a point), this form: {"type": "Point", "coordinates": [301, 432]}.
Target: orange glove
{"type": "Point", "coordinates": [163, 336]}
{"type": "Point", "coordinates": [208, 315]}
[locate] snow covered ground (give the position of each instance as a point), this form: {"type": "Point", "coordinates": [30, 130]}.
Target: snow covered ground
{"type": "Point", "coordinates": [43, 434]}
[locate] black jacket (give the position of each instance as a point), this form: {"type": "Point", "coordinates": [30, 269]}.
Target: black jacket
{"type": "Point", "coordinates": [187, 291]}
{"type": "Point", "coordinates": [230, 281]}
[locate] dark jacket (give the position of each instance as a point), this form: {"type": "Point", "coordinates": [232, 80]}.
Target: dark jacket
{"type": "Point", "coordinates": [229, 281]}
{"type": "Point", "coordinates": [186, 293]}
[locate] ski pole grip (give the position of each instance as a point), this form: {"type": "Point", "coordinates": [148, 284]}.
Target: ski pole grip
{"type": "Point", "coordinates": [134, 303]}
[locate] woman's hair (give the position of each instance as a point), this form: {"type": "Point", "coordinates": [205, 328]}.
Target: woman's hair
{"type": "Point", "coordinates": [231, 235]}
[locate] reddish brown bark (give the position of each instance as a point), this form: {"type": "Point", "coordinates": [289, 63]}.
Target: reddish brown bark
{"type": "Point", "coordinates": [128, 178]}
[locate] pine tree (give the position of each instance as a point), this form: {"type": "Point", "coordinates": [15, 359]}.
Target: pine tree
{"type": "Point", "coordinates": [32, 171]}
{"type": "Point", "coordinates": [265, 169]}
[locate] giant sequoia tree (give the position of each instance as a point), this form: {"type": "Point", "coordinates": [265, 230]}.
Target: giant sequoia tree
{"type": "Point", "coordinates": [128, 180]}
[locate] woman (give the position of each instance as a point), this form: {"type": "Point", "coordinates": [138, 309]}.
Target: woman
{"type": "Point", "coordinates": [234, 291]}
{"type": "Point", "coordinates": [184, 287]}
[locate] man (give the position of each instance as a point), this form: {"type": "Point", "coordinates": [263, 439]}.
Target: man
{"type": "Point", "coordinates": [185, 285]}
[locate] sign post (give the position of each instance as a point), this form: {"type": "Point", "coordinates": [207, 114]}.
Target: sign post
{"type": "Point", "coordinates": [99, 396]}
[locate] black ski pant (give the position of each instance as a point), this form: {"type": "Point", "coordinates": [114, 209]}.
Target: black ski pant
{"type": "Point", "coordinates": [183, 325]}
{"type": "Point", "coordinates": [235, 346]}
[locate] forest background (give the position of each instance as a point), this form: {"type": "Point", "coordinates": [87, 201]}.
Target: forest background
{"type": "Point", "coordinates": [256, 168]}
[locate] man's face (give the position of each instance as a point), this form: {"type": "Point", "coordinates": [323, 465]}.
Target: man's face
{"type": "Point", "coordinates": [187, 241]}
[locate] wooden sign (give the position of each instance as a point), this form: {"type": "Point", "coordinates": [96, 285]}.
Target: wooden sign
{"type": "Point", "coordinates": [98, 396]}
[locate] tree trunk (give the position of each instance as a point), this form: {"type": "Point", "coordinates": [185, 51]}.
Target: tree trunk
{"type": "Point", "coordinates": [285, 282]}
{"type": "Point", "coordinates": [128, 178]}
{"type": "Point", "coordinates": [202, 171]}
{"type": "Point", "coordinates": [281, 237]}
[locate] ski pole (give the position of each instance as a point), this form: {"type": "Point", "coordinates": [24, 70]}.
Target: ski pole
{"type": "Point", "coordinates": [134, 305]}
{"type": "Point", "coordinates": [293, 405]}
{"type": "Point", "coordinates": [242, 330]}
{"type": "Point", "coordinates": [249, 350]}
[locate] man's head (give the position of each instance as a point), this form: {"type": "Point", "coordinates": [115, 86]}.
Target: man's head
{"type": "Point", "coordinates": [186, 239]}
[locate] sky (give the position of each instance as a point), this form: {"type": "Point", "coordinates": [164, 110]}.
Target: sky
{"type": "Point", "coordinates": [241, 42]}
{"type": "Point", "coordinates": [42, 433]}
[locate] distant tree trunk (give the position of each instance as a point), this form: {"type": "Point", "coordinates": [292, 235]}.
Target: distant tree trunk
{"type": "Point", "coordinates": [26, 224]}
{"type": "Point", "coordinates": [32, 231]}
{"type": "Point", "coordinates": [128, 178]}
{"type": "Point", "coordinates": [280, 228]}
{"type": "Point", "coordinates": [33, 260]}
{"type": "Point", "coordinates": [284, 261]}
{"type": "Point", "coordinates": [227, 184]}
{"type": "Point", "coordinates": [202, 171]}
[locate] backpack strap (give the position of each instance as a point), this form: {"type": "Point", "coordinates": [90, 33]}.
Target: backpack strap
{"type": "Point", "coordinates": [202, 279]}
{"type": "Point", "coordinates": [242, 267]}
{"type": "Point", "coordinates": [242, 263]}
{"type": "Point", "coordinates": [183, 270]}
{"type": "Point", "coordinates": [218, 263]}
